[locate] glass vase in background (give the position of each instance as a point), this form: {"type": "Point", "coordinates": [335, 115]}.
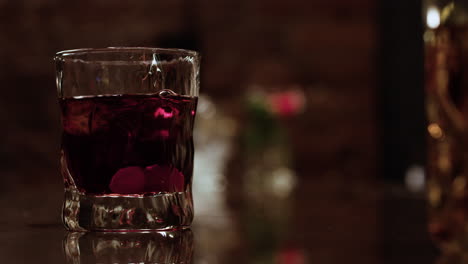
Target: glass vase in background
{"type": "Point", "coordinates": [127, 148]}
{"type": "Point", "coordinates": [269, 180]}
{"type": "Point", "coordinates": [446, 84]}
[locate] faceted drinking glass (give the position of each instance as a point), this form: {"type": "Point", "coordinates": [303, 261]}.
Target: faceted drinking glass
{"type": "Point", "coordinates": [127, 146]}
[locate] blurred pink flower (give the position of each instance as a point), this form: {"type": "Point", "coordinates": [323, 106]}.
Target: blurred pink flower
{"type": "Point", "coordinates": [287, 103]}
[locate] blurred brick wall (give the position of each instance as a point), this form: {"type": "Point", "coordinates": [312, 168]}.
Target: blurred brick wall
{"type": "Point", "coordinates": [31, 32]}
{"type": "Point", "coordinates": [327, 46]}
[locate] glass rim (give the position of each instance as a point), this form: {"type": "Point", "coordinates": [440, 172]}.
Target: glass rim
{"type": "Point", "coordinates": [110, 50]}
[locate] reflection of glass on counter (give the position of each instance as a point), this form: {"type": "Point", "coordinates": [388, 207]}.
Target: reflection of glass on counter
{"type": "Point", "coordinates": [134, 247]}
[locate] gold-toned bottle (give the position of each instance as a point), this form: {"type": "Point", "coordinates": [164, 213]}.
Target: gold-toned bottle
{"type": "Point", "coordinates": [446, 84]}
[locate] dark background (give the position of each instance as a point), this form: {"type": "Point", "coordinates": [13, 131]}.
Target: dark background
{"type": "Point", "coordinates": [358, 62]}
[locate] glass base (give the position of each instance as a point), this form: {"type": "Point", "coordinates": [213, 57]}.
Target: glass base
{"type": "Point", "coordinates": [124, 213]}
